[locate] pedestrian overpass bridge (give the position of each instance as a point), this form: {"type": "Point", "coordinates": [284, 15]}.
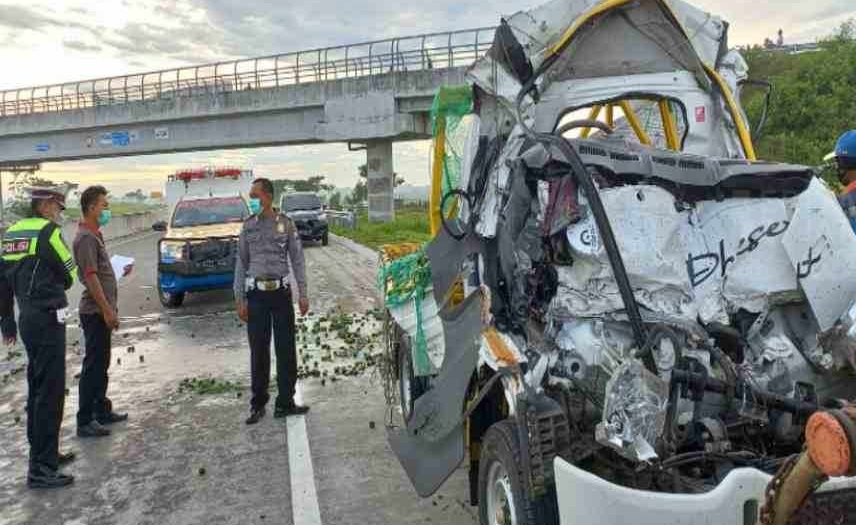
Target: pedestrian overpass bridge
{"type": "Point", "coordinates": [372, 94]}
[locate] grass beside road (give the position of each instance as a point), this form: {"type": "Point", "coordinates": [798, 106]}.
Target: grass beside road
{"type": "Point", "coordinates": [117, 208]}
{"type": "Point", "coordinates": [410, 225]}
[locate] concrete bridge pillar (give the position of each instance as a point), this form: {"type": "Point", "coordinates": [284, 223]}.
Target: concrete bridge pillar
{"type": "Point", "coordinates": [380, 181]}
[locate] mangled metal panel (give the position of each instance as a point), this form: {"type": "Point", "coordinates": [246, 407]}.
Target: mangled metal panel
{"type": "Point", "coordinates": [706, 261]}
{"type": "Point", "coordinates": [542, 27]}
{"type": "Point", "coordinates": [705, 30]}
{"type": "Point", "coordinates": [628, 40]}
{"type": "Point", "coordinates": [432, 445]}
{"type": "Point", "coordinates": [497, 185]}
{"type": "Point", "coordinates": [636, 43]}
{"type": "Point", "coordinates": [822, 250]}
{"type": "Point", "coordinates": [650, 234]}
{"type": "Point", "coordinates": [735, 258]}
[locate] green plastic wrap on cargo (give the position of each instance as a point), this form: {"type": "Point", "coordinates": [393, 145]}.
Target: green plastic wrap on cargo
{"type": "Point", "coordinates": [407, 279]}
{"type": "Point", "coordinates": [451, 105]}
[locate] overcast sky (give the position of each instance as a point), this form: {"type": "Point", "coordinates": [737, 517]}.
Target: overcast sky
{"type": "Point", "coordinates": [53, 41]}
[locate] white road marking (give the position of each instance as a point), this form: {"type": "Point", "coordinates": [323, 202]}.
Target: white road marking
{"type": "Point", "coordinates": [304, 500]}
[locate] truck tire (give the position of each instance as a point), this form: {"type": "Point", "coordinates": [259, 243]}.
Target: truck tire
{"type": "Point", "coordinates": [169, 300]}
{"type": "Point", "coordinates": [325, 240]}
{"type": "Point", "coordinates": [501, 486]}
{"type": "Point", "coordinates": [410, 387]}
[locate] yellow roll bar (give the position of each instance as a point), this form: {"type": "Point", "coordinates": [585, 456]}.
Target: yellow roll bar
{"type": "Point", "coordinates": [736, 116]}
{"type": "Point", "coordinates": [593, 114]}
{"type": "Point", "coordinates": [633, 120]}
{"type": "Point", "coordinates": [669, 126]}
{"type": "Point", "coordinates": [435, 213]}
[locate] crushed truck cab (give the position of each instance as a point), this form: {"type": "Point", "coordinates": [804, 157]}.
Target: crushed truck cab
{"type": "Point", "coordinates": [623, 315]}
{"type": "Point", "coordinates": [198, 251]}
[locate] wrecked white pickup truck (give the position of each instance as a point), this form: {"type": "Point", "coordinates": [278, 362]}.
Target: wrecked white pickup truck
{"type": "Point", "coordinates": [625, 317]}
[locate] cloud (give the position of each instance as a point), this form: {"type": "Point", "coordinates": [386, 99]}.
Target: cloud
{"type": "Point", "coordinates": [114, 38]}
{"type": "Point", "coordinates": [19, 17]}
{"type": "Point", "coordinates": [83, 47]}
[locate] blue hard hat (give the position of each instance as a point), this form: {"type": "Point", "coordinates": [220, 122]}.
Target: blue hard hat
{"type": "Point", "coordinates": [845, 150]}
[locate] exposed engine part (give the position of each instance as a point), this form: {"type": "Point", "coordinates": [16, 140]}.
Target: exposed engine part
{"type": "Point", "coordinates": [634, 412]}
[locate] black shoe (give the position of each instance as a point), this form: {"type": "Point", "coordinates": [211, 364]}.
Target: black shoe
{"type": "Point", "coordinates": [46, 478]}
{"type": "Point", "coordinates": [92, 429]}
{"type": "Point", "coordinates": [255, 416]}
{"type": "Point", "coordinates": [295, 410]}
{"type": "Point", "coordinates": [65, 459]}
{"type": "Point", "coordinates": [111, 417]}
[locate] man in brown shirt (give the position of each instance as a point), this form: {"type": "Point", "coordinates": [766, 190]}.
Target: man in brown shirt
{"type": "Point", "coordinates": [99, 314]}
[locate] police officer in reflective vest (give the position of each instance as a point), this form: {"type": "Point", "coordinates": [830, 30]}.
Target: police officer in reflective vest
{"type": "Point", "coordinates": [264, 300]}
{"type": "Point", "coordinates": [37, 268]}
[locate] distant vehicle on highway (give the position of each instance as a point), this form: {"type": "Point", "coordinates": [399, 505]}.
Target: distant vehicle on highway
{"type": "Point", "coordinates": [198, 252]}
{"type": "Point", "coordinates": [308, 214]}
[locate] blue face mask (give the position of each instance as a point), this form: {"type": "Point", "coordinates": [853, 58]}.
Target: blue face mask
{"type": "Point", "coordinates": [105, 217]}
{"type": "Point", "coordinates": [255, 206]}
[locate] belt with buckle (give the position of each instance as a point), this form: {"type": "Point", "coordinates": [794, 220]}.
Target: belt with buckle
{"type": "Point", "coordinates": [266, 285]}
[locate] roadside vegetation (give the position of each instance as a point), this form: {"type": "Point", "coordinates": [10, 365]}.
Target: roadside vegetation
{"type": "Point", "coordinates": [117, 208]}
{"type": "Point", "coordinates": [72, 212]}
{"type": "Point", "coordinates": [410, 225]}
{"type": "Point", "coordinates": [813, 99]}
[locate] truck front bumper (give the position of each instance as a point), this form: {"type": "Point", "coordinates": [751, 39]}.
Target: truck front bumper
{"type": "Point", "coordinates": [587, 499]}
{"type": "Point", "coordinates": [174, 283]}
{"type": "Point", "coordinates": [311, 229]}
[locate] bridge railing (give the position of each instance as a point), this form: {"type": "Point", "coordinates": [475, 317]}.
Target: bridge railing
{"type": "Point", "coordinates": [414, 53]}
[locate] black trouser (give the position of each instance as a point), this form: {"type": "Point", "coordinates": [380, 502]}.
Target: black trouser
{"type": "Point", "coordinates": [93, 373]}
{"type": "Point", "coordinates": [44, 338]}
{"type": "Point", "coordinates": [271, 310]}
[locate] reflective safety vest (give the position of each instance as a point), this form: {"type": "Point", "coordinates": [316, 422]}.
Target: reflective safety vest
{"type": "Point", "coordinates": [37, 263]}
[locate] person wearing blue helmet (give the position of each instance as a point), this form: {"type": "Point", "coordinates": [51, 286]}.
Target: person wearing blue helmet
{"type": "Point", "coordinates": [845, 158]}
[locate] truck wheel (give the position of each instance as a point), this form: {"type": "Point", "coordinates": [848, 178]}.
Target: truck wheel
{"type": "Point", "coordinates": [410, 387]}
{"type": "Point", "coordinates": [502, 495]}
{"type": "Point", "coordinates": [169, 300]}
{"type": "Point", "coordinates": [324, 240]}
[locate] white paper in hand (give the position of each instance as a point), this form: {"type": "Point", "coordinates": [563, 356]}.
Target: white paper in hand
{"type": "Point", "coordinates": [119, 262]}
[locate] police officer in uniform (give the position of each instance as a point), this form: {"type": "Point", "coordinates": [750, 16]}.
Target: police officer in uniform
{"type": "Point", "coordinates": [37, 268]}
{"type": "Point", "coordinates": [263, 298]}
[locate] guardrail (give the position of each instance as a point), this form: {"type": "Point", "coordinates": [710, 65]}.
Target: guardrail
{"type": "Point", "coordinates": [414, 53]}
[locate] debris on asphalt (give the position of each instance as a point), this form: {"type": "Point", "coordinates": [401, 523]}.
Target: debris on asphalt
{"type": "Point", "coordinates": [208, 385]}
{"type": "Point", "coordinates": [338, 345]}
